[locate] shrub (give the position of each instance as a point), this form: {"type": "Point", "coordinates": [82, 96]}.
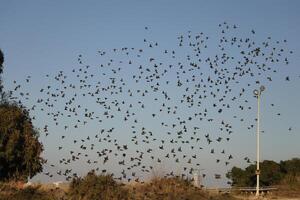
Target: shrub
{"type": "Point", "coordinates": [168, 188]}
{"type": "Point", "coordinates": [8, 191]}
{"type": "Point", "coordinates": [94, 187]}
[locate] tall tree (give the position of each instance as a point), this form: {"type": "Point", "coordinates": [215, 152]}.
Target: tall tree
{"type": "Point", "coordinates": [20, 149]}
{"type": "Point", "coordinates": [1, 70]}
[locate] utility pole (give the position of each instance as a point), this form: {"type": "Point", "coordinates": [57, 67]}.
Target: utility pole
{"type": "Point", "coordinates": [257, 94]}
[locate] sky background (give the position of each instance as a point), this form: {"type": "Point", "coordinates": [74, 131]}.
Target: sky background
{"type": "Point", "coordinates": [45, 37]}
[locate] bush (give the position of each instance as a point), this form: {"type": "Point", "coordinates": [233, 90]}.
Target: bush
{"type": "Point", "coordinates": [8, 191]}
{"type": "Point", "coordinates": [94, 187]}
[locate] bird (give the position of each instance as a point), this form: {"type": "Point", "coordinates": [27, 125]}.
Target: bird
{"type": "Point", "coordinates": [165, 100]}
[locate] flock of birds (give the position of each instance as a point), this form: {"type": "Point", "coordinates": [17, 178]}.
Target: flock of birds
{"type": "Point", "coordinates": [142, 108]}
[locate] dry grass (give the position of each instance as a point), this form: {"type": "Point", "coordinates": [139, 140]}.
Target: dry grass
{"type": "Point", "coordinates": [9, 191]}
{"type": "Point", "coordinates": [167, 188]}
{"type": "Point", "coordinates": [102, 187]}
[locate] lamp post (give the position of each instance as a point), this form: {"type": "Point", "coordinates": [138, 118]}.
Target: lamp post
{"type": "Point", "coordinates": [257, 94]}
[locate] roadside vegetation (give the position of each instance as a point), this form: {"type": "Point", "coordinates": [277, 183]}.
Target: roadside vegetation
{"type": "Point", "coordinates": [272, 173]}
{"type": "Point", "coordinates": [104, 187]}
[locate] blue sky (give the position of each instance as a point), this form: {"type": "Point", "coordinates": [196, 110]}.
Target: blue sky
{"type": "Point", "coordinates": [45, 37]}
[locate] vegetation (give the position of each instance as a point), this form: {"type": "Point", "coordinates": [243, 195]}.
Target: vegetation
{"type": "Point", "coordinates": [10, 192]}
{"type": "Point", "coordinates": [1, 71]}
{"type": "Point", "coordinates": [96, 187]}
{"type": "Point", "coordinates": [168, 188]}
{"type": "Point", "coordinates": [1, 61]}
{"type": "Point", "coordinates": [103, 186]}
{"type": "Point", "coordinates": [272, 173]}
{"type": "Point", "coordinates": [20, 148]}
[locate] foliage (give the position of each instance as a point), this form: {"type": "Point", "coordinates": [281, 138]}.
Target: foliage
{"type": "Point", "coordinates": [271, 173]}
{"type": "Point", "coordinates": [10, 192]}
{"type": "Point", "coordinates": [1, 61]}
{"type": "Point", "coordinates": [93, 187]}
{"type": "Point", "coordinates": [291, 166]}
{"type": "Point", "coordinates": [168, 188]}
{"type": "Point", "coordinates": [1, 70]}
{"type": "Point", "coordinates": [20, 148]}
{"type": "Point", "coordinates": [237, 176]}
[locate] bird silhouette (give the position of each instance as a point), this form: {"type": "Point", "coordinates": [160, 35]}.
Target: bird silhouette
{"type": "Point", "coordinates": [151, 105]}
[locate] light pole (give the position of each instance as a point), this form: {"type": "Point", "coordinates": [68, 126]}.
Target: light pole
{"type": "Point", "coordinates": [257, 94]}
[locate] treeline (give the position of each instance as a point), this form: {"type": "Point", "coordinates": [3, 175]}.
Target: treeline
{"type": "Point", "coordinates": [271, 173]}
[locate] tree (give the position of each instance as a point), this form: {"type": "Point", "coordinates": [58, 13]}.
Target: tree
{"type": "Point", "coordinates": [272, 173]}
{"type": "Point", "coordinates": [291, 169]}
{"type": "Point", "coordinates": [237, 176]}
{"type": "Point", "coordinates": [20, 148]}
{"type": "Point", "coordinates": [1, 60]}
{"type": "Point", "coordinates": [3, 95]}
{"type": "Point", "coordinates": [291, 166]}
{"type": "Point", "coordinates": [1, 70]}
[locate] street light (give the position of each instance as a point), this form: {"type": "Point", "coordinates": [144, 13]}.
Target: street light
{"type": "Point", "coordinates": [257, 94]}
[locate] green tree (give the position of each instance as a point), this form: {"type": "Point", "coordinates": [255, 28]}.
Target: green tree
{"type": "Point", "coordinates": [291, 166]}
{"type": "Point", "coordinates": [1, 70]}
{"type": "Point", "coordinates": [20, 148]}
{"type": "Point", "coordinates": [250, 175]}
{"type": "Point", "coordinates": [237, 176]}
{"type": "Point", "coordinates": [291, 169]}
{"type": "Point", "coordinates": [1, 60]}
{"type": "Point", "coordinates": [270, 173]}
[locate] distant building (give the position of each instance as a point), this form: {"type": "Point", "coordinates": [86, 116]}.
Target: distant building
{"type": "Point", "coordinates": [27, 184]}
{"type": "Point", "coordinates": [197, 179]}
{"type": "Point", "coordinates": [57, 183]}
